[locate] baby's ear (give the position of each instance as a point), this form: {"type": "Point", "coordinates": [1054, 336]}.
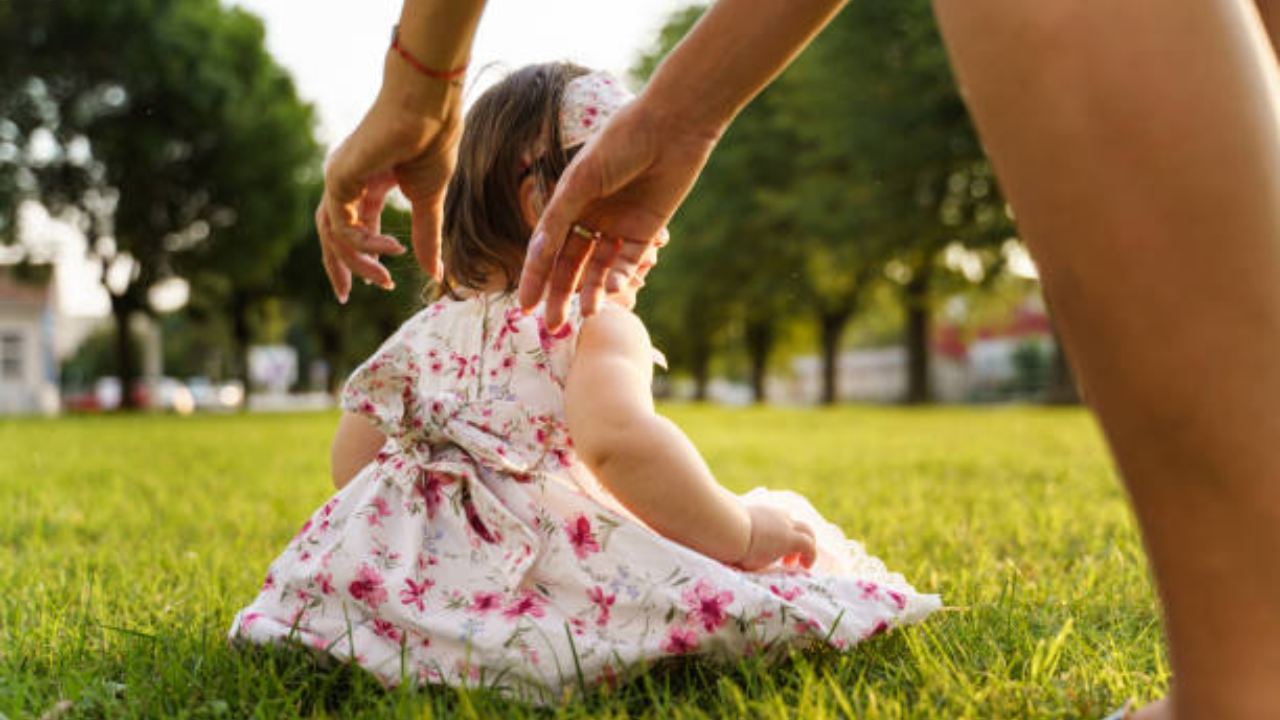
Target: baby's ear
{"type": "Point", "coordinates": [531, 200]}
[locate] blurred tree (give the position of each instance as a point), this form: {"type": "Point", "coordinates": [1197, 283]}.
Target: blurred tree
{"type": "Point", "coordinates": [884, 98]}
{"type": "Point", "coordinates": [731, 258]}
{"type": "Point", "coordinates": [152, 125]}
{"type": "Point", "coordinates": [342, 336]}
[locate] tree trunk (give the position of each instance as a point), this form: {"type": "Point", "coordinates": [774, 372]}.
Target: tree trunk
{"type": "Point", "coordinates": [241, 337]}
{"type": "Point", "coordinates": [831, 327]}
{"type": "Point", "coordinates": [1062, 389]}
{"type": "Point", "coordinates": [701, 369]}
{"type": "Point", "coordinates": [916, 296]}
{"type": "Point", "coordinates": [331, 351]}
{"type": "Point", "coordinates": [126, 364]}
{"type": "Point", "coordinates": [759, 336]}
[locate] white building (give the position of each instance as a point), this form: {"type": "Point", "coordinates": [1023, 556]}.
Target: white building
{"type": "Point", "coordinates": [28, 366]}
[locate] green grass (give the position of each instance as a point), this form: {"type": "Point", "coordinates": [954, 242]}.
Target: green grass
{"type": "Point", "coordinates": [127, 544]}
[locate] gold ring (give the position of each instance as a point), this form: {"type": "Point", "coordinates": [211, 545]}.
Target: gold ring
{"type": "Point", "coordinates": [582, 232]}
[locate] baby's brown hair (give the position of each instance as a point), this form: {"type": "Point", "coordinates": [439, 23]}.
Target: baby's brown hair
{"type": "Point", "coordinates": [508, 125]}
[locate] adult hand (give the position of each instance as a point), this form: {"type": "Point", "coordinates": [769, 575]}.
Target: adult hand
{"type": "Point", "coordinates": [625, 184]}
{"type": "Point", "coordinates": [408, 139]}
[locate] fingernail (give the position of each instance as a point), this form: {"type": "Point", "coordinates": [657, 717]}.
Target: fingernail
{"type": "Point", "coordinates": [535, 245]}
{"type": "Point", "coordinates": [389, 285]}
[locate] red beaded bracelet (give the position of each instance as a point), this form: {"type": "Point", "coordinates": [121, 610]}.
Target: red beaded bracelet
{"type": "Point", "coordinates": [455, 75]}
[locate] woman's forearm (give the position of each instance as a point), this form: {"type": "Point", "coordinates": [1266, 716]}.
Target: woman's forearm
{"type": "Point", "coordinates": [439, 32]}
{"type": "Point", "coordinates": [736, 49]}
{"type": "Point", "coordinates": [655, 471]}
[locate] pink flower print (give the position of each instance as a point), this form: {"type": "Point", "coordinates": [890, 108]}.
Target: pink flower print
{"type": "Point", "coordinates": [880, 627]}
{"type": "Point", "coordinates": [436, 366]}
{"type": "Point", "coordinates": [786, 593]}
{"type": "Point", "coordinates": [597, 596]}
{"type": "Point", "coordinates": [367, 587]}
{"type": "Point", "coordinates": [475, 523]}
{"type": "Point", "coordinates": [680, 641]}
{"type": "Point", "coordinates": [579, 625]}
{"type": "Point", "coordinates": [706, 606]}
{"type": "Point", "coordinates": [806, 626]}
{"type": "Point", "coordinates": [303, 530]}
{"type": "Point", "coordinates": [562, 457]}
{"type": "Point", "coordinates": [869, 590]}
{"type": "Point", "coordinates": [329, 506]}
{"type": "Point", "coordinates": [326, 583]}
{"type": "Point", "coordinates": [412, 592]}
{"type": "Point", "coordinates": [898, 599]}
{"type": "Point", "coordinates": [484, 602]}
{"type": "Point", "coordinates": [269, 583]}
{"type": "Point", "coordinates": [249, 619]}
{"type": "Point", "coordinates": [380, 510]}
{"type": "Point", "coordinates": [466, 364]}
{"type": "Point", "coordinates": [529, 603]}
{"type": "Point", "coordinates": [383, 628]}
{"type": "Point", "coordinates": [580, 536]}
{"type": "Point", "coordinates": [428, 487]}
{"type": "Point", "coordinates": [546, 338]}
{"type": "Point", "coordinates": [510, 327]}
{"type": "Point", "coordinates": [508, 362]}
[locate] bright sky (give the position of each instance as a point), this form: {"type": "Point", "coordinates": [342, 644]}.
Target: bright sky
{"type": "Point", "coordinates": [335, 49]}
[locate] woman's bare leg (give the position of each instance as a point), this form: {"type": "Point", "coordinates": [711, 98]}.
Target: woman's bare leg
{"type": "Point", "coordinates": [1139, 143]}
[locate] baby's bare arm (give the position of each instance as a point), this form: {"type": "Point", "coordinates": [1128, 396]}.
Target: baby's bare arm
{"type": "Point", "coordinates": [354, 445]}
{"type": "Point", "coordinates": [641, 457]}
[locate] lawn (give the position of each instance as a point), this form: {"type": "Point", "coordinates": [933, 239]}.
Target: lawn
{"type": "Point", "coordinates": [127, 544]}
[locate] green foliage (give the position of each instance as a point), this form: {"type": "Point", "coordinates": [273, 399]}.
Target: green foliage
{"type": "Point", "coordinates": [858, 165]}
{"type": "Point", "coordinates": [170, 136]}
{"type": "Point", "coordinates": [123, 563]}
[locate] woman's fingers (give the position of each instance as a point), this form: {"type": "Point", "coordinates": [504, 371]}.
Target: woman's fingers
{"type": "Point", "coordinates": [427, 216]}
{"type": "Point", "coordinates": [339, 275]}
{"type": "Point", "coordinates": [565, 274]}
{"type": "Point", "coordinates": [366, 266]}
{"type": "Point", "coordinates": [578, 186]}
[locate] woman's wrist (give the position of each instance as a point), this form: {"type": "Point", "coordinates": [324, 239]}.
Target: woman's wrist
{"type": "Point", "coordinates": [673, 114]}
{"type": "Point", "coordinates": [407, 91]}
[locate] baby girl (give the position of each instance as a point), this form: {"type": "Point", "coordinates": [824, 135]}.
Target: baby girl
{"type": "Point", "coordinates": [512, 511]}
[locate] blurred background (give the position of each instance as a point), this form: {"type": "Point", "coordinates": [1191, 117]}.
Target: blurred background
{"type": "Point", "coordinates": [160, 161]}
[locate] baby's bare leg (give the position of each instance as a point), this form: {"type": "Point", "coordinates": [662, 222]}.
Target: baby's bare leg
{"type": "Point", "coordinates": [1140, 145]}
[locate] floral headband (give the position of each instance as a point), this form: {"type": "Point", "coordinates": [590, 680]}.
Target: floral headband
{"type": "Point", "coordinates": [589, 102]}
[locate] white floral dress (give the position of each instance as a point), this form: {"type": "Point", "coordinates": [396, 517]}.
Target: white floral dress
{"type": "Point", "coordinates": [478, 550]}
